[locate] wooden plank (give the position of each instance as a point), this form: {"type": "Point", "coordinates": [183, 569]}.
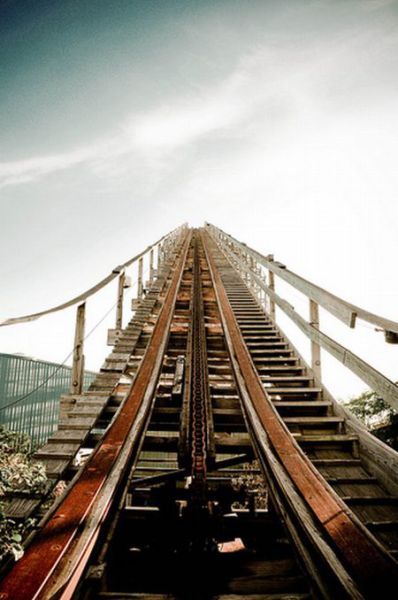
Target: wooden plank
{"type": "Point", "coordinates": [310, 420]}
{"type": "Point", "coordinates": [76, 422]}
{"type": "Point", "coordinates": [57, 450]}
{"type": "Point", "coordinates": [323, 438]}
{"type": "Point", "coordinates": [343, 310]}
{"type": "Point", "coordinates": [292, 390]}
{"type": "Point", "coordinates": [89, 499]}
{"type": "Point", "coordinates": [82, 297]}
{"type": "Point", "coordinates": [386, 388]}
{"type": "Point", "coordinates": [74, 435]}
{"type": "Point", "coordinates": [305, 404]}
{"type": "Point", "coordinates": [315, 347]}
{"type": "Point", "coordinates": [340, 525]}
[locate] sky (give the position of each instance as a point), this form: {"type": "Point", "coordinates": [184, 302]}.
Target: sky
{"type": "Point", "coordinates": [275, 120]}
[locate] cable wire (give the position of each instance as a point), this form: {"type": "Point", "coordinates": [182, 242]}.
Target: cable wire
{"type": "Point", "coordinates": [43, 383]}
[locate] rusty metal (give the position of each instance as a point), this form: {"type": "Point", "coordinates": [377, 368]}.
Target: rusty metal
{"type": "Point", "coordinates": [64, 545]}
{"type": "Point", "coordinates": [356, 547]}
{"type": "Point", "coordinates": [60, 534]}
{"type": "Point", "coordinates": [199, 384]}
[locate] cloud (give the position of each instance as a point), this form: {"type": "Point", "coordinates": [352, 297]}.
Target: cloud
{"type": "Point", "coordinates": [146, 135]}
{"type": "Point", "coordinates": [153, 135]}
{"type": "Point", "coordinates": [284, 85]}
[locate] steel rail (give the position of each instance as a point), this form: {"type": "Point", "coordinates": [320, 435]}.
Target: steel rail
{"type": "Point", "coordinates": [356, 547]}
{"type": "Point", "coordinates": [343, 310]}
{"type": "Point", "coordinates": [58, 540]}
{"type": "Point", "coordinates": [90, 292]}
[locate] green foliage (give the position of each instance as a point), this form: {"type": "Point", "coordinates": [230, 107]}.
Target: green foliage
{"type": "Point", "coordinates": [11, 535]}
{"type": "Point", "coordinates": [18, 473]}
{"type": "Point", "coordinates": [371, 409]}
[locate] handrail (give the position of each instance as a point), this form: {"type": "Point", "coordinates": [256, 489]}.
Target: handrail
{"type": "Point", "coordinates": [82, 297]}
{"type": "Point", "coordinates": [343, 310]}
{"type": "Point", "coordinates": [386, 388]}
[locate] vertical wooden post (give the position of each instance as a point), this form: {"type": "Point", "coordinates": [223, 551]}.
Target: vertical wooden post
{"type": "Point", "coordinates": [76, 386]}
{"type": "Point", "coordinates": [271, 285]}
{"type": "Point", "coordinates": [263, 275]}
{"type": "Point", "coordinates": [166, 248]}
{"type": "Point", "coordinates": [119, 306]}
{"type": "Point", "coordinates": [315, 348]}
{"type": "Point", "coordinates": [250, 280]}
{"type": "Point", "coordinates": [140, 286]}
{"type": "Point", "coordinates": [151, 265]}
{"type": "Point", "coordinates": [159, 258]}
{"type": "Point", "coordinates": [253, 270]}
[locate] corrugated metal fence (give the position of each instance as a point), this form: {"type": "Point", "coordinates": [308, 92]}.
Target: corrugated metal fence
{"type": "Point", "coordinates": [29, 395]}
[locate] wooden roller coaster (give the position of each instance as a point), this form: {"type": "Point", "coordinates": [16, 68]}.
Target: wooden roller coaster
{"type": "Point", "coordinates": [220, 467]}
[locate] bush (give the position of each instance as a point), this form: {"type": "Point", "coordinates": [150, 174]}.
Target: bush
{"type": "Point", "coordinates": [18, 473]}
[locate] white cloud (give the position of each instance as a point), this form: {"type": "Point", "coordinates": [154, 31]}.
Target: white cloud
{"type": "Point", "coordinates": [274, 90]}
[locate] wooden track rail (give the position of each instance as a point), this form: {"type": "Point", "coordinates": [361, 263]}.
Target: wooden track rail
{"type": "Point", "coordinates": [343, 528]}
{"type": "Point", "coordinates": [226, 471]}
{"type": "Point", "coordinates": [70, 521]}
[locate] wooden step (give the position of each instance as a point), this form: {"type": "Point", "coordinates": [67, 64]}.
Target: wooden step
{"type": "Point", "coordinates": [279, 368]}
{"type": "Point", "coordinates": [273, 335]}
{"type": "Point", "coordinates": [313, 420]}
{"type": "Point", "coordinates": [302, 403]}
{"type": "Point", "coordinates": [259, 345]}
{"type": "Point", "coordinates": [336, 462]}
{"type": "Point", "coordinates": [270, 352]}
{"type": "Point", "coordinates": [63, 435]}
{"type": "Point", "coordinates": [292, 390]}
{"type": "Point", "coordinates": [325, 438]}
{"type": "Point", "coordinates": [64, 450]}
{"type": "Point", "coordinates": [349, 480]}
{"type": "Point", "coordinates": [381, 525]}
{"type": "Point", "coordinates": [232, 443]}
{"type": "Point", "coordinates": [382, 500]}
{"type": "Point", "coordinates": [270, 359]}
{"type": "Point", "coordinates": [285, 378]}
{"type": "Point", "coordinates": [256, 327]}
{"type": "Point", "coordinates": [77, 422]}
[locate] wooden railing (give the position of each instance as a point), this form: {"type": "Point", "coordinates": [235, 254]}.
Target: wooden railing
{"type": "Point", "coordinates": [260, 272]}
{"type": "Point", "coordinates": [162, 248]}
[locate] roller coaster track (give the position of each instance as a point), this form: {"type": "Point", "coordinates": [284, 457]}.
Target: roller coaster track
{"type": "Point", "coordinates": [221, 411]}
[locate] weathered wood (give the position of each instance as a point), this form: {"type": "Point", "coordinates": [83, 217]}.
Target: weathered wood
{"type": "Point", "coordinates": [319, 496]}
{"type": "Point", "coordinates": [140, 285]}
{"type": "Point", "coordinates": [271, 285]}
{"type": "Point", "coordinates": [376, 380]}
{"type": "Point", "coordinates": [90, 292]}
{"type": "Point", "coordinates": [119, 306]}
{"type": "Point", "coordinates": [343, 310]}
{"type": "Point", "coordinates": [151, 270]}
{"type": "Point", "coordinates": [77, 374]}
{"type": "Point", "coordinates": [315, 347]}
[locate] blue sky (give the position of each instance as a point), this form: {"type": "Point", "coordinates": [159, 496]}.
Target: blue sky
{"type": "Point", "coordinates": [119, 120]}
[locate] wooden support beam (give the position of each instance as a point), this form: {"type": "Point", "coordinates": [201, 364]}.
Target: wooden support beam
{"type": "Point", "coordinates": [140, 286]}
{"type": "Point", "coordinates": [160, 257]}
{"type": "Point", "coordinates": [315, 347]}
{"type": "Point", "coordinates": [151, 265]}
{"type": "Point", "coordinates": [271, 285]}
{"type": "Point", "coordinates": [77, 375]}
{"type": "Point", "coordinates": [119, 306]}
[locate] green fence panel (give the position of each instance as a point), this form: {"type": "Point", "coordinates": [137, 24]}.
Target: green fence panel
{"type": "Point", "coordinates": [29, 395]}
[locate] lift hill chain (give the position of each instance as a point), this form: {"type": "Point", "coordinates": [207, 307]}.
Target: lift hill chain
{"type": "Point", "coordinates": [202, 382]}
